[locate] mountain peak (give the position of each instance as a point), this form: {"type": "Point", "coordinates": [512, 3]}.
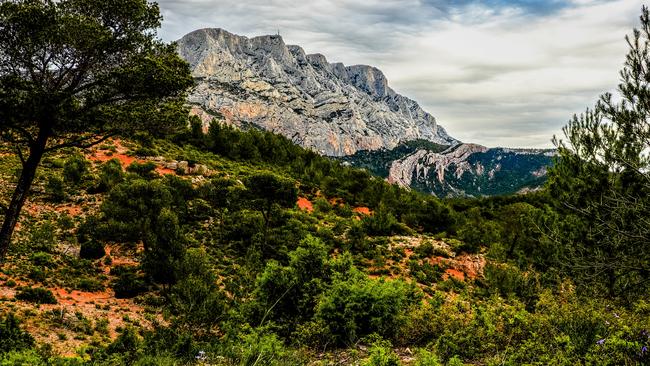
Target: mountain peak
{"type": "Point", "coordinates": [334, 109]}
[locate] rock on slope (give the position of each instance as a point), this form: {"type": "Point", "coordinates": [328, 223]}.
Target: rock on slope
{"type": "Point", "coordinates": [334, 109]}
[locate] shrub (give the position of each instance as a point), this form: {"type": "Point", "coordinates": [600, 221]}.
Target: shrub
{"type": "Point", "coordinates": [55, 189]}
{"type": "Point", "coordinates": [382, 355]}
{"type": "Point", "coordinates": [146, 170]}
{"type": "Point", "coordinates": [196, 298]}
{"type": "Point", "coordinates": [358, 306]}
{"type": "Point", "coordinates": [43, 237]}
{"type": "Point", "coordinates": [110, 174]}
{"type": "Point", "coordinates": [261, 349]}
{"type": "Point", "coordinates": [92, 250]}
{"type": "Point", "coordinates": [25, 357]}
{"type": "Point", "coordinates": [42, 259]}
{"type": "Point", "coordinates": [38, 295]}
{"type": "Point", "coordinates": [74, 169]}
{"type": "Point", "coordinates": [127, 345]}
{"type": "Point", "coordinates": [128, 283]}
{"type": "Point", "coordinates": [89, 284]}
{"type": "Point", "coordinates": [426, 358]}
{"type": "Point", "coordinates": [12, 337]}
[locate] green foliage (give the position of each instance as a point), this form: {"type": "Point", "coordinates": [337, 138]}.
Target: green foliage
{"type": "Point", "coordinates": [22, 358]}
{"type": "Point", "coordinates": [141, 86]}
{"type": "Point", "coordinates": [381, 354]}
{"type": "Point", "coordinates": [195, 299]}
{"type": "Point", "coordinates": [507, 281]}
{"type": "Point", "coordinates": [91, 249]}
{"type": "Point", "coordinates": [356, 306]}
{"type": "Point", "coordinates": [42, 259]}
{"type": "Point", "coordinates": [602, 180]}
{"type": "Point", "coordinates": [166, 248]}
{"type": "Point", "coordinates": [55, 188]}
{"type": "Point", "coordinates": [127, 346]}
{"type": "Point", "coordinates": [132, 208]}
{"type": "Point", "coordinates": [257, 348]}
{"type": "Point", "coordinates": [12, 337]}
{"type": "Point", "coordinates": [75, 168]}
{"type": "Point", "coordinates": [145, 170]}
{"type": "Point", "coordinates": [110, 175]}
{"type": "Point", "coordinates": [128, 283]}
{"type": "Point", "coordinates": [37, 295]}
{"type": "Point", "coordinates": [268, 189]}
{"type": "Point", "coordinates": [382, 222]}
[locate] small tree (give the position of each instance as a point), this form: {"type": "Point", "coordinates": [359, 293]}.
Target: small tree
{"type": "Point", "coordinates": [603, 179]}
{"type": "Point", "coordinates": [75, 72]}
{"type": "Point", "coordinates": [267, 190]}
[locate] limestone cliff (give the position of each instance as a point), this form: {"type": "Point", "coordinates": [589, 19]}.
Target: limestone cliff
{"type": "Point", "coordinates": [334, 109]}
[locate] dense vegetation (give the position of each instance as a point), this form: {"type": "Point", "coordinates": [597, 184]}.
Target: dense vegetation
{"type": "Point", "coordinates": [200, 234]}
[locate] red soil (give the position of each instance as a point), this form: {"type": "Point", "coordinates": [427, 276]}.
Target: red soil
{"type": "Point", "coordinates": [362, 210]}
{"type": "Point", "coordinates": [305, 204]}
{"type": "Point", "coordinates": [120, 154]}
{"type": "Point", "coordinates": [452, 272]}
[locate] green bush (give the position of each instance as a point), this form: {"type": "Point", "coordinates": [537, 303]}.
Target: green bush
{"type": "Point", "coordinates": [12, 337]}
{"type": "Point", "coordinates": [42, 237]}
{"type": "Point", "coordinates": [196, 299]}
{"type": "Point", "coordinates": [426, 358]}
{"type": "Point", "coordinates": [92, 250]}
{"type": "Point", "coordinates": [381, 354]}
{"type": "Point", "coordinates": [257, 348]}
{"type": "Point", "coordinates": [75, 168]}
{"type": "Point", "coordinates": [357, 306]}
{"type": "Point", "coordinates": [128, 283]}
{"type": "Point", "coordinates": [89, 284]}
{"type": "Point", "coordinates": [55, 188]}
{"type": "Point", "coordinates": [28, 357]}
{"type": "Point", "coordinates": [145, 170]}
{"type": "Point", "coordinates": [110, 175]}
{"type": "Point", "coordinates": [38, 295]}
{"type": "Point", "coordinates": [42, 259]}
{"type": "Point", "coordinates": [128, 346]}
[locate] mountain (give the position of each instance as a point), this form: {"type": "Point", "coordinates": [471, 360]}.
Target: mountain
{"type": "Point", "coordinates": [346, 112]}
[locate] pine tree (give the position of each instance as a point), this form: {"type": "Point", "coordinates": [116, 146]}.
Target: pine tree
{"type": "Point", "coordinates": [603, 179]}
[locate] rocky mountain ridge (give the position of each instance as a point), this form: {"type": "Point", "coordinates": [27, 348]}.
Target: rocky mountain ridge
{"type": "Point", "coordinates": [337, 110]}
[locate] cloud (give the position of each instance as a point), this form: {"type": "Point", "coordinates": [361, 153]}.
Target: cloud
{"type": "Point", "coordinates": [495, 72]}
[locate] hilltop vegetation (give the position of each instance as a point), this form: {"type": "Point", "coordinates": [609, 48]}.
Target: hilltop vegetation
{"type": "Point", "coordinates": [237, 247]}
{"type": "Point", "coordinates": [209, 261]}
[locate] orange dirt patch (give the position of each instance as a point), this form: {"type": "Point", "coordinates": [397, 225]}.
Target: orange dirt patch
{"type": "Point", "coordinates": [451, 272]}
{"type": "Point", "coordinates": [362, 210]}
{"type": "Point", "coordinates": [305, 204]}
{"type": "Point", "coordinates": [117, 259]}
{"type": "Point", "coordinates": [69, 209]}
{"type": "Point", "coordinates": [163, 171]}
{"type": "Point", "coordinates": [125, 160]}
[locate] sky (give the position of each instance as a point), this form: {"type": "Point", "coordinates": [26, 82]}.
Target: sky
{"type": "Point", "coordinates": [495, 72]}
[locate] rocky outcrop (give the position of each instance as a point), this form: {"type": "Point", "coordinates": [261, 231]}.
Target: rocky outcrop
{"type": "Point", "coordinates": [418, 165]}
{"type": "Point", "coordinates": [334, 109]}
{"type": "Point", "coordinates": [472, 170]}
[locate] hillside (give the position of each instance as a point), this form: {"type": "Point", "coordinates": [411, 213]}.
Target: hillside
{"type": "Point", "coordinates": [140, 230]}
{"type": "Point", "coordinates": [81, 281]}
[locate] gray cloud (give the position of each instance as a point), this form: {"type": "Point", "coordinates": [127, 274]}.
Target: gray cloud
{"type": "Point", "coordinates": [496, 72]}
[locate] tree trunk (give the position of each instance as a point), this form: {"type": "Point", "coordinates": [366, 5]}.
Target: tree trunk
{"type": "Point", "coordinates": [20, 193]}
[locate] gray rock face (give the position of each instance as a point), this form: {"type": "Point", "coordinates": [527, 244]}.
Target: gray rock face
{"type": "Point", "coordinates": [472, 170]}
{"type": "Point", "coordinates": [334, 109]}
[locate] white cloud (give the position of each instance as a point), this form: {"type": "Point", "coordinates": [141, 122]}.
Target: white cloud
{"type": "Point", "coordinates": [499, 76]}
